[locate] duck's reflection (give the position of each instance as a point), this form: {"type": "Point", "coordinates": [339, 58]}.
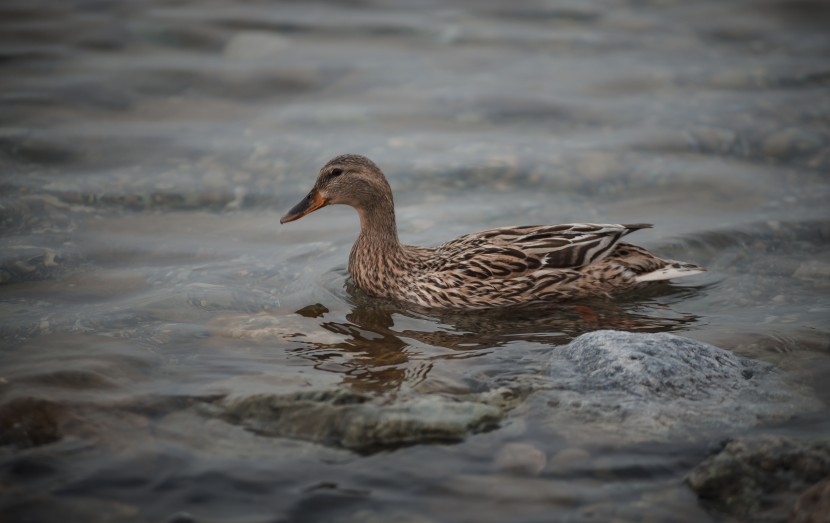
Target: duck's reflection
{"type": "Point", "coordinates": [383, 337]}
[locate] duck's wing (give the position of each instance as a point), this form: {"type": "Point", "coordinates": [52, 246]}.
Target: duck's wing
{"type": "Point", "coordinates": [508, 252]}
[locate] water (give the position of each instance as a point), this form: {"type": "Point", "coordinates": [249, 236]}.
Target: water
{"type": "Point", "coordinates": [148, 149]}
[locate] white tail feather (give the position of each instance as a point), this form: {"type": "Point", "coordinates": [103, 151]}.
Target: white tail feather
{"type": "Point", "coordinates": [668, 273]}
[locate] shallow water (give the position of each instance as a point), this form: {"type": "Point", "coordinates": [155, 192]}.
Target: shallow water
{"type": "Point", "coordinates": [149, 148]}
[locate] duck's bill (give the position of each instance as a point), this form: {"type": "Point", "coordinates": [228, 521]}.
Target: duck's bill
{"type": "Point", "coordinates": [309, 204]}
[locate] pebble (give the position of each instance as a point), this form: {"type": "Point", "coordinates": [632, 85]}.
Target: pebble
{"type": "Point", "coordinates": [30, 422]}
{"type": "Point", "coordinates": [597, 166]}
{"type": "Point", "coordinates": [715, 140]}
{"type": "Point", "coordinates": [569, 458]}
{"type": "Point", "coordinates": [251, 45]}
{"type": "Point", "coordinates": [814, 271]}
{"type": "Point", "coordinates": [788, 142]}
{"type": "Point", "coordinates": [264, 327]}
{"type": "Point", "coordinates": [813, 506]}
{"type": "Point", "coordinates": [521, 458]}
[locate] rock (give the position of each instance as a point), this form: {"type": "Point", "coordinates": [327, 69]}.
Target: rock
{"type": "Point", "coordinates": [790, 142]}
{"type": "Point", "coordinates": [813, 506]}
{"type": "Point", "coordinates": [264, 327]}
{"type": "Point", "coordinates": [815, 272]}
{"type": "Point", "coordinates": [346, 419]}
{"type": "Point", "coordinates": [251, 45]}
{"type": "Point", "coordinates": [598, 166]}
{"type": "Point", "coordinates": [32, 262]}
{"type": "Point", "coordinates": [521, 458]}
{"type": "Point", "coordinates": [666, 502]}
{"type": "Point", "coordinates": [316, 310]}
{"type": "Point", "coordinates": [569, 459]}
{"type": "Point", "coordinates": [709, 139]}
{"type": "Point", "coordinates": [658, 365]}
{"type": "Point", "coordinates": [659, 386]}
{"type": "Point", "coordinates": [516, 491]}
{"type": "Point", "coordinates": [759, 478]}
{"type": "Point", "coordinates": [29, 422]}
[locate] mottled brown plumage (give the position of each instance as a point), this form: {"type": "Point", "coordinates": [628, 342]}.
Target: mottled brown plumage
{"type": "Point", "coordinates": [492, 268]}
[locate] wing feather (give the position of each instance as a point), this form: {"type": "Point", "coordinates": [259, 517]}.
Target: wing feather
{"type": "Point", "coordinates": [508, 252]}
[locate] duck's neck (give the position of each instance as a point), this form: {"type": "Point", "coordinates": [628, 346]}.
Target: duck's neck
{"type": "Point", "coordinates": [378, 227]}
{"type": "Point", "coordinates": [377, 251]}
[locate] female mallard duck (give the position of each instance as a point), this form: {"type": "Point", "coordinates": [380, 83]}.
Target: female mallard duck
{"type": "Point", "coordinates": [493, 268]}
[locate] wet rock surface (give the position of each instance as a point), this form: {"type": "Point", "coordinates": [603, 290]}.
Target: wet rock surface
{"type": "Point", "coordinates": [353, 421]}
{"type": "Point", "coordinates": [652, 386]}
{"type": "Point", "coordinates": [813, 506]}
{"type": "Point", "coordinates": [29, 422]}
{"type": "Point", "coordinates": [23, 262]}
{"type": "Point", "coordinates": [766, 479]}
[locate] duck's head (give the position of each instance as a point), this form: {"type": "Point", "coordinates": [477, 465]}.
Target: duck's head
{"type": "Point", "coordinates": [349, 179]}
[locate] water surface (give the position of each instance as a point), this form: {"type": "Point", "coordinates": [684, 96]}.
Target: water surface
{"type": "Point", "coordinates": [148, 149]}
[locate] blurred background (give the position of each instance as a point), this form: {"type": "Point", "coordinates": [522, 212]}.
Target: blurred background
{"type": "Point", "coordinates": [148, 149]}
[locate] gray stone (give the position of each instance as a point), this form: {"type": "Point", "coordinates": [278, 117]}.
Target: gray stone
{"type": "Point", "coordinates": [658, 365]}
{"type": "Point", "coordinates": [569, 459]}
{"type": "Point", "coordinates": [815, 272]}
{"type": "Point", "coordinates": [33, 262]}
{"type": "Point", "coordinates": [521, 458]}
{"type": "Point", "coordinates": [251, 45]}
{"type": "Point", "coordinates": [646, 387]}
{"type": "Point", "coordinates": [349, 420]}
{"type": "Point", "coordinates": [30, 422]}
{"type": "Point", "coordinates": [813, 506]}
{"type": "Point", "coordinates": [760, 478]}
{"type": "Point", "coordinates": [711, 139]}
{"type": "Point", "coordinates": [789, 142]}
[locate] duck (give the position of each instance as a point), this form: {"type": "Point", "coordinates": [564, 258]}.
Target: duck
{"type": "Point", "coordinates": [494, 268]}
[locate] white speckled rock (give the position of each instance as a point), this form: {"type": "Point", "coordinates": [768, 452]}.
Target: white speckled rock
{"type": "Point", "coordinates": [660, 365]}
{"type": "Point", "coordinates": [647, 387]}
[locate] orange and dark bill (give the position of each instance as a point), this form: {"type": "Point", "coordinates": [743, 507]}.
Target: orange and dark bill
{"type": "Point", "coordinates": [309, 204]}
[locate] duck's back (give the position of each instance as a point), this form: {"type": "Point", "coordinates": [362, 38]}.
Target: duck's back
{"type": "Point", "coordinates": [527, 264]}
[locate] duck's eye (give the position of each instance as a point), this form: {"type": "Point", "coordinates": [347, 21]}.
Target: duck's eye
{"type": "Point", "coordinates": [335, 172]}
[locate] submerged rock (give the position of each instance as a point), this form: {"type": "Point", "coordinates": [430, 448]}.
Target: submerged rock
{"type": "Point", "coordinates": [813, 506]}
{"type": "Point", "coordinates": [659, 365]}
{"type": "Point", "coordinates": [760, 478]}
{"type": "Point", "coordinates": [29, 422]}
{"type": "Point", "coordinates": [790, 142]}
{"type": "Point", "coordinates": [33, 262]}
{"type": "Point", "coordinates": [350, 420]}
{"type": "Point", "coordinates": [251, 45]}
{"type": "Point", "coordinates": [814, 272]}
{"type": "Point", "coordinates": [521, 459]}
{"type": "Point", "coordinates": [644, 387]}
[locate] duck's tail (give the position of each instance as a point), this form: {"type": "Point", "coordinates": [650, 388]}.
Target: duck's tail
{"type": "Point", "coordinates": [672, 269]}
